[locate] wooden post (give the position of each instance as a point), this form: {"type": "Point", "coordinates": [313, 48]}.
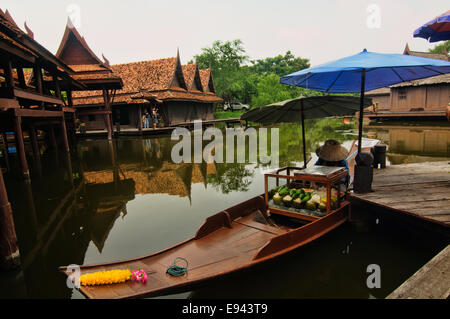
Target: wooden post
{"type": "Point", "coordinates": [57, 88]}
{"type": "Point", "coordinates": [37, 72]}
{"type": "Point", "coordinates": [69, 169]}
{"type": "Point", "coordinates": [6, 154]}
{"type": "Point", "coordinates": [9, 79]}
{"type": "Point", "coordinates": [52, 137]}
{"type": "Point", "coordinates": [303, 138]}
{"type": "Point", "coordinates": [140, 118]}
{"type": "Point", "coordinates": [107, 118]}
{"type": "Point", "coordinates": [21, 76]}
{"type": "Point", "coordinates": [20, 146]}
{"type": "Point", "coordinates": [64, 135]}
{"type": "Point", "coordinates": [9, 250]}
{"type": "Point", "coordinates": [35, 147]}
{"type": "Point", "coordinates": [69, 98]}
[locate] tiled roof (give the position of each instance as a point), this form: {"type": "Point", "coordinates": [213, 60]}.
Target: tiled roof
{"type": "Point", "coordinates": [444, 78]}
{"type": "Point", "coordinates": [189, 74]}
{"type": "Point", "coordinates": [151, 75]}
{"type": "Point", "coordinates": [205, 76]}
{"type": "Point", "coordinates": [380, 91]}
{"type": "Point", "coordinates": [429, 55]}
{"type": "Point", "coordinates": [152, 80]}
{"type": "Point", "coordinates": [85, 63]}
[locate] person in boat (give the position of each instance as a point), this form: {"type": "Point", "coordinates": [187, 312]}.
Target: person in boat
{"type": "Point", "coordinates": [332, 153]}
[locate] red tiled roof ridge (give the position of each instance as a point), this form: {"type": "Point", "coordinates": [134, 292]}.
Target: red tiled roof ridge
{"type": "Point", "coordinates": [142, 61]}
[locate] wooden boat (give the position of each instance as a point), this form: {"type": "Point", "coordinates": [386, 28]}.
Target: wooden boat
{"type": "Point", "coordinates": [229, 241]}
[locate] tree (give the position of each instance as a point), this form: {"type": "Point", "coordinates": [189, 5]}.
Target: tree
{"type": "Point", "coordinates": [257, 83]}
{"type": "Point", "coordinates": [225, 60]}
{"type": "Point", "coordinates": [441, 48]}
{"type": "Point", "coordinates": [280, 65]}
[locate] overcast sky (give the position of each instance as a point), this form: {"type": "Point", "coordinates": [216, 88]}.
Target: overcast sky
{"type": "Point", "coordinates": [320, 30]}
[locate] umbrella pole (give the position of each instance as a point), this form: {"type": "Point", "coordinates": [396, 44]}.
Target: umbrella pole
{"type": "Point", "coordinates": [361, 109]}
{"type": "Point", "coordinates": [303, 138]}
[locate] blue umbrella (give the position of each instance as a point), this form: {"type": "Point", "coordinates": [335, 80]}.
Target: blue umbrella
{"type": "Point", "coordinates": [365, 71]}
{"type": "Point", "coordinates": [436, 30]}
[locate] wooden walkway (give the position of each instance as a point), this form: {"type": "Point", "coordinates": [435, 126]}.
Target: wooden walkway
{"type": "Point", "coordinates": [419, 189]}
{"type": "Point", "coordinates": [429, 282]}
{"type": "Point", "coordinates": [134, 131]}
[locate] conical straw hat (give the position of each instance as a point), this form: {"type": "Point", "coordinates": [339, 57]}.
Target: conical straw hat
{"type": "Point", "coordinates": [332, 151]}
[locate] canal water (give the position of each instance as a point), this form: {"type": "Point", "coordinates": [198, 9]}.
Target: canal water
{"type": "Point", "coordinates": [127, 198]}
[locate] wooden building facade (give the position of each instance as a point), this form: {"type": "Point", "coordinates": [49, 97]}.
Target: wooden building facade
{"type": "Point", "coordinates": [429, 97]}
{"type": "Point", "coordinates": [180, 93]}
{"type": "Point", "coordinates": [32, 82]}
{"type": "Point", "coordinates": [95, 74]}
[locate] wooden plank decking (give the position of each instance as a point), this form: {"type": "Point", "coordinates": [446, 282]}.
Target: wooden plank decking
{"type": "Point", "coordinates": [419, 189]}
{"type": "Point", "coordinates": [429, 282]}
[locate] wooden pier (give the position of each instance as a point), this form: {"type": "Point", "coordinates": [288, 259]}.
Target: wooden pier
{"type": "Point", "coordinates": [429, 282]}
{"type": "Point", "coordinates": [421, 190]}
{"type": "Point", "coordinates": [134, 131]}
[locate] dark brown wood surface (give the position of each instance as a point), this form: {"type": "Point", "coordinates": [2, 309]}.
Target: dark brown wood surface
{"type": "Point", "coordinates": [228, 241]}
{"type": "Point", "coordinates": [419, 189]}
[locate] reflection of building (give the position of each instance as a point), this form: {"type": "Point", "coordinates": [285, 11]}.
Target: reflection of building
{"type": "Point", "coordinates": [422, 141]}
{"type": "Point", "coordinates": [427, 97]}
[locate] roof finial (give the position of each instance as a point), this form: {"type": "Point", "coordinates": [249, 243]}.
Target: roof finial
{"type": "Point", "coordinates": [70, 23]}
{"type": "Point", "coordinates": [406, 51]}
{"type": "Point", "coordinates": [10, 18]}
{"type": "Point", "coordinates": [106, 61]}
{"type": "Point", "coordinates": [29, 32]}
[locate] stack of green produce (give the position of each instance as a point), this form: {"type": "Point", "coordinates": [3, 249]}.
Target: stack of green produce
{"type": "Point", "coordinates": [300, 198]}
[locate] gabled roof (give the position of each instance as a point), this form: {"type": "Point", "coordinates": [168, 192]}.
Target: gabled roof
{"type": "Point", "coordinates": [154, 75]}
{"type": "Point", "coordinates": [207, 80]}
{"type": "Point", "coordinates": [21, 42]}
{"type": "Point", "coordinates": [89, 69]}
{"type": "Point", "coordinates": [438, 56]}
{"type": "Point", "coordinates": [11, 31]}
{"type": "Point", "coordinates": [160, 79]}
{"type": "Point", "coordinates": [74, 50]}
{"type": "Point", "coordinates": [192, 77]}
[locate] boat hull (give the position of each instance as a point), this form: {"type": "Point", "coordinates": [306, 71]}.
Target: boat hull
{"type": "Point", "coordinates": [229, 241]}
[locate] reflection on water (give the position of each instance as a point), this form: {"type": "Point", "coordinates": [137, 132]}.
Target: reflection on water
{"type": "Point", "coordinates": [413, 144]}
{"type": "Point", "coordinates": [126, 198]}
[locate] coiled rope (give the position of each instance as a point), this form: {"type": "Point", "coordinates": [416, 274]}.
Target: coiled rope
{"type": "Point", "coordinates": [176, 270]}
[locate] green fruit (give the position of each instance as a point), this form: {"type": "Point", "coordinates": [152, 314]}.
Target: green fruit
{"type": "Point", "coordinates": [297, 203]}
{"type": "Point", "coordinates": [322, 207]}
{"type": "Point", "coordinates": [287, 200]}
{"type": "Point", "coordinates": [277, 199]}
{"type": "Point", "coordinates": [311, 205]}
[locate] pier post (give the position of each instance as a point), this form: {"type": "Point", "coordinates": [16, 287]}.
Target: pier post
{"type": "Point", "coordinates": [52, 137]}
{"type": "Point", "coordinates": [9, 250]}
{"type": "Point", "coordinates": [20, 146]}
{"type": "Point", "coordinates": [35, 147]}
{"type": "Point", "coordinates": [6, 155]}
{"type": "Point", "coordinates": [64, 134]}
{"type": "Point", "coordinates": [140, 118]}
{"type": "Point", "coordinates": [107, 116]}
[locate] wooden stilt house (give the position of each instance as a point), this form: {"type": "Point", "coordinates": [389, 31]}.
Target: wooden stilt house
{"type": "Point", "coordinates": [424, 98]}
{"type": "Point", "coordinates": [177, 91]}
{"type": "Point", "coordinates": [95, 74]}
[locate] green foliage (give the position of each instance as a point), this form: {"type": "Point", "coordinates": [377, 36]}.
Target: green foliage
{"type": "Point", "coordinates": [280, 65]}
{"type": "Point", "coordinates": [256, 83]}
{"type": "Point", "coordinates": [439, 48]}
